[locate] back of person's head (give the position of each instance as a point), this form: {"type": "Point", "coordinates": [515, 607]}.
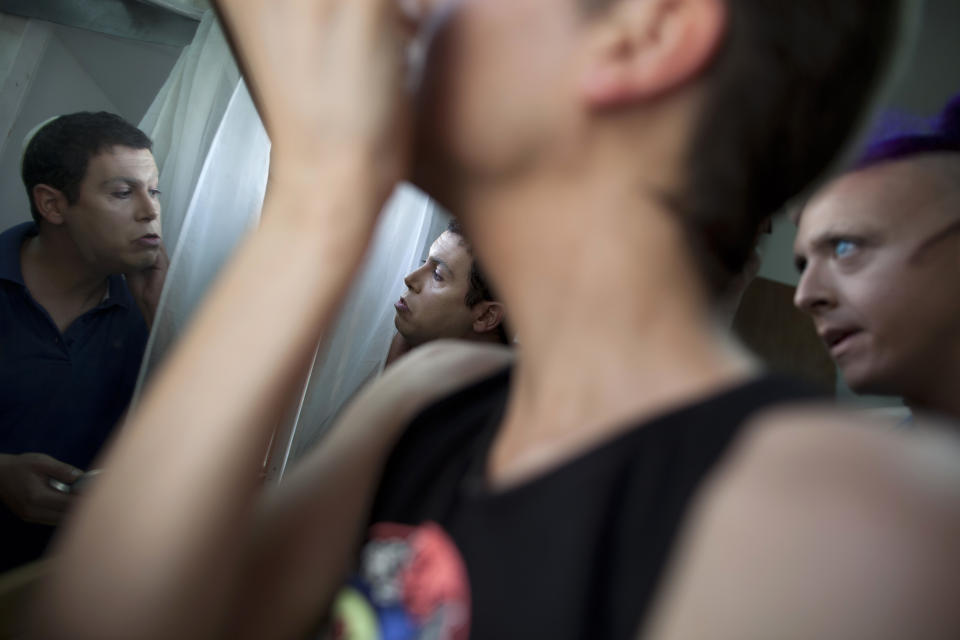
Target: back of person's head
{"type": "Point", "coordinates": [788, 87]}
{"type": "Point", "coordinates": [58, 154]}
{"type": "Point", "coordinates": [479, 289]}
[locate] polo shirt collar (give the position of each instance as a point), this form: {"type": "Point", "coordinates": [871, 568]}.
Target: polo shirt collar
{"type": "Point", "coordinates": [117, 293]}
{"type": "Point", "coordinates": [12, 239]}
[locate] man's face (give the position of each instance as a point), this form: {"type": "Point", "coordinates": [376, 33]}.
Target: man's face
{"type": "Point", "coordinates": [879, 255]}
{"type": "Point", "coordinates": [501, 80]}
{"type": "Point", "coordinates": [434, 305]}
{"type": "Point", "coordinates": [115, 220]}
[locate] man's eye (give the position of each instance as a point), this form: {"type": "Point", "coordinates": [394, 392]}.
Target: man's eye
{"type": "Point", "coordinates": [154, 192]}
{"type": "Point", "coordinates": [122, 194]}
{"type": "Point", "coordinates": [843, 248]}
{"type": "Point", "coordinates": [437, 276]}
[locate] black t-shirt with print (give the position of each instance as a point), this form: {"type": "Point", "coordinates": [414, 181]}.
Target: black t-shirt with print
{"type": "Point", "coordinates": [577, 552]}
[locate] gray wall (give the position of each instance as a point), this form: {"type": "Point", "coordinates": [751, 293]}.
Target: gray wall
{"type": "Point", "coordinates": [80, 71]}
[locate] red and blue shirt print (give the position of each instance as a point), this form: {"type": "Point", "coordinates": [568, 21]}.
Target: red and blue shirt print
{"type": "Point", "coordinates": [412, 584]}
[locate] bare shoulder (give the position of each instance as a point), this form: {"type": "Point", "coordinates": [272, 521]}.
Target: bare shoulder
{"type": "Point", "coordinates": [827, 445]}
{"type": "Point", "coordinates": [822, 523]}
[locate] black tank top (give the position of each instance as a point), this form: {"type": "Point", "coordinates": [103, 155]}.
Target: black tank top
{"type": "Point", "coordinates": [575, 553]}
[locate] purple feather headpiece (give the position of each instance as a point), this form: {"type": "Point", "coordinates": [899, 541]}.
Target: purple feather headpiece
{"type": "Point", "coordinates": [893, 143]}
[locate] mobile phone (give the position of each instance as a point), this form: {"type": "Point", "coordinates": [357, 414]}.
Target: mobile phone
{"type": "Point", "coordinates": [79, 485]}
{"type": "Point", "coordinates": [56, 485]}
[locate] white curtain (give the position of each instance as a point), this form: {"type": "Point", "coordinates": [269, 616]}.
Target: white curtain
{"type": "Point", "coordinates": [225, 206]}
{"type": "Point", "coordinates": [213, 155]}
{"type": "Point", "coordinates": [356, 349]}
{"type": "Point", "coordinates": [186, 115]}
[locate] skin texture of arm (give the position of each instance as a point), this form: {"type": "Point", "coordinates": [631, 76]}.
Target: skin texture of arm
{"type": "Point", "coordinates": [823, 525]}
{"type": "Point", "coordinates": [308, 530]}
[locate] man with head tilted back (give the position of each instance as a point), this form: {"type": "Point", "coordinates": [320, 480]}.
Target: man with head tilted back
{"type": "Point", "coordinates": [447, 297]}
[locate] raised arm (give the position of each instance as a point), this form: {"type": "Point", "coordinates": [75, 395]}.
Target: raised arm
{"type": "Point", "coordinates": [309, 527]}
{"type": "Point", "coordinates": [157, 545]}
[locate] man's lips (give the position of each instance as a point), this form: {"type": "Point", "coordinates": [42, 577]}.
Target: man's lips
{"type": "Point", "coordinates": [838, 338]}
{"type": "Point", "coordinates": [148, 240]}
{"type": "Point", "coordinates": [401, 306]}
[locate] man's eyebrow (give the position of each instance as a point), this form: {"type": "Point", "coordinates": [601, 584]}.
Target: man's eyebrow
{"type": "Point", "coordinates": [441, 263]}
{"type": "Point", "coordinates": [125, 179]}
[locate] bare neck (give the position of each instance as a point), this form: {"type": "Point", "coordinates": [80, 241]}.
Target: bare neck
{"type": "Point", "coordinates": [937, 394]}
{"type": "Point", "coordinates": [612, 321]}
{"type": "Point", "coordinates": [59, 278]}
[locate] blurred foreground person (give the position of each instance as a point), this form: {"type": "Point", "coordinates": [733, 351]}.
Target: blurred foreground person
{"type": "Point", "coordinates": [879, 256]}
{"type": "Point", "coordinates": [447, 297]}
{"type": "Point", "coordinates": [611, 163]}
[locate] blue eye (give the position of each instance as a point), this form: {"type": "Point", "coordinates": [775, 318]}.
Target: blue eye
{"type": "Point", "coordinates": [843, 248]}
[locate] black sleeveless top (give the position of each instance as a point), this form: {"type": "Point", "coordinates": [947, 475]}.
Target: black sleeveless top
{"type": "Point", "coordinates": [575, 553]}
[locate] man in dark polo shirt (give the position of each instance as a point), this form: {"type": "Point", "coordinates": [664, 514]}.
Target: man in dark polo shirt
{"type": "Point", "coordinates": [78, 288]}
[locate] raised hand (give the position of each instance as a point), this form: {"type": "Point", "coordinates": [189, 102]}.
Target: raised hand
{"type": "Point", "coordinates": [329, 79]}
{"type": "Point", "coordinates": [146, 285]}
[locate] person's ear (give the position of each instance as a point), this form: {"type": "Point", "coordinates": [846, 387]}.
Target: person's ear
{"type": "Point", "coordinates": [50, 203]}
{"type": "Point", "coordinates": [643, 49]}
{"type": "Point", "coordinates": [487, 316]}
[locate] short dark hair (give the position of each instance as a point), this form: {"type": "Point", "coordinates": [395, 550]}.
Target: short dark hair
{"type": "Point", "coordinates": [783, 95]}
{"type": "Point", "coordinates": [479, 289]}
{"type": "Point", "coordinates": [58, 154]}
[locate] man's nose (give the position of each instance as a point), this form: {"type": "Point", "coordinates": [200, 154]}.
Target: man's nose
{"type": "Point", "coordinates": [148, 208]}
{"type": "Point", "coordinates": [412, 280]}
{"type": "Point", "coordinates": [814, 292]}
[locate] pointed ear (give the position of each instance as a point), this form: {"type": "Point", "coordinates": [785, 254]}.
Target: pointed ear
{"type": "Point", "coordinates": [50, 202]}
{"type": "Point", "coordinates": [487, 316]}
{"type": "Point", "coordinates": [644, 49]}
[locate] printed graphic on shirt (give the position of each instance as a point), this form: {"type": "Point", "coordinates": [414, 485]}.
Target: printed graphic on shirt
{"type": "Point", "coordinates": [412, 585]}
